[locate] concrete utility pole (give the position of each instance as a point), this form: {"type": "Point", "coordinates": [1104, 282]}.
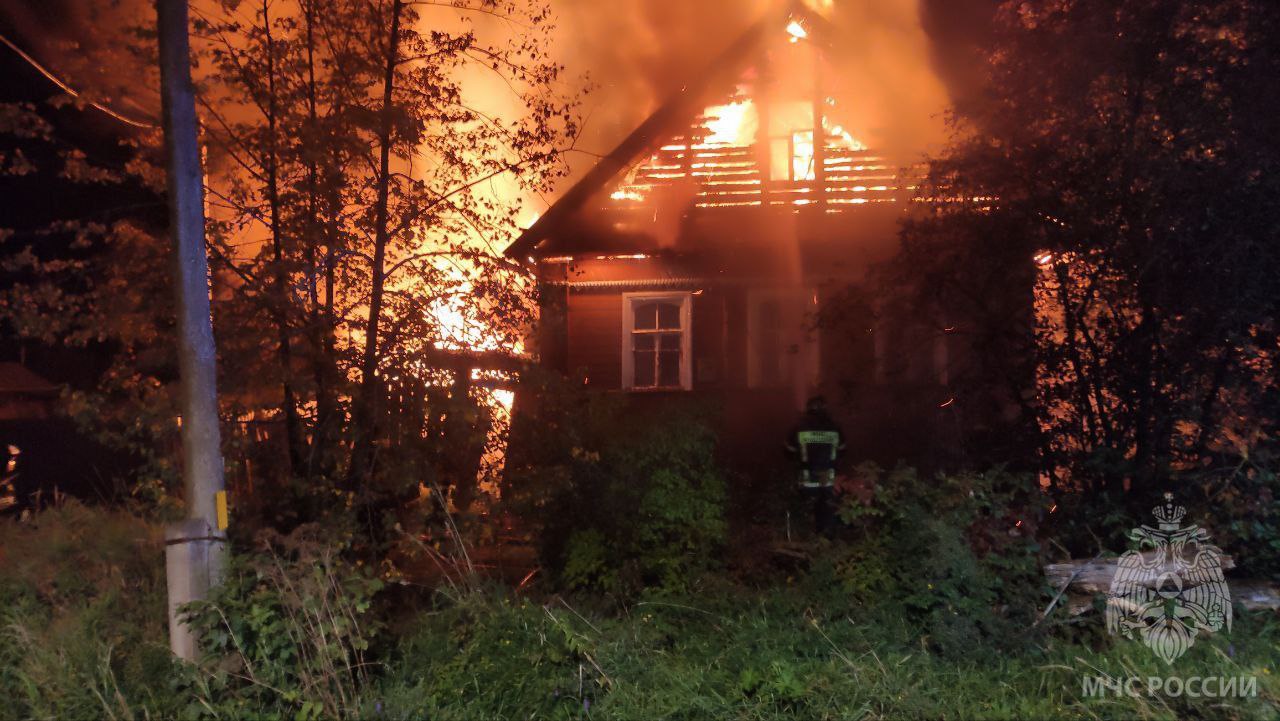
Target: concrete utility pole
{"type": "Point", "coordinates": [194, 548]}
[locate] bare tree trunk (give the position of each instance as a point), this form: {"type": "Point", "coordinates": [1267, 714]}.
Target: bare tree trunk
{"type": "Point", "coordinates": [197, 546]}
{"type": "Point", "coordinates": [289, 403]}
{"type": "Point", "coordinates": [366, 397]}
{"type": "Point", "coordinates": [321, 331]}
{"type": "Point", "coordinates": [319, 359]}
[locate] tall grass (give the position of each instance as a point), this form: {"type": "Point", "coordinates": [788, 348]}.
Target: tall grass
{"type": "Point", "coordinates": [728, 653]}
{"type": "Point", "coordinates": [84, 637]}
{"type": "Point", "coordinates": [82, 600]}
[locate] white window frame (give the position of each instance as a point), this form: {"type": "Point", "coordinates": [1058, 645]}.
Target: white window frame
{"type": "Point", "coordinates": [802, 300]}
{"type": "Point", "coordinates": [629, 301]}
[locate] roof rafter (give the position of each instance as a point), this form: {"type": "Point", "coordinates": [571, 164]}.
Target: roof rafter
{"type": "Point", "coordinates": [680, 109]}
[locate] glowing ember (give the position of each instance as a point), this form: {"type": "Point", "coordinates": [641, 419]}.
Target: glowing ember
{"type": "Point", "coordinates": [627, 194]}
{"type": "Point", "coordinates": [796, 31]}
{"type": "Point", "coordinates": [844, 138]}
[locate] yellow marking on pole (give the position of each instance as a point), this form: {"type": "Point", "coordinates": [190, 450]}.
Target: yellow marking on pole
{"type": "Point", "coordinates": [221, 499]}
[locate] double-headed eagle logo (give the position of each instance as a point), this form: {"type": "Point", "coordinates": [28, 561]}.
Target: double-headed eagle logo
{"type": "Point", "coordinates": [1170, 589]}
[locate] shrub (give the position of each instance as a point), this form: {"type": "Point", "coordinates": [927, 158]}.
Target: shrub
{"type": "Point", "coordinates": [956, 554]}
{"type": "Point", "coordinates": [621, 498]}
{"type": "Point", "coordinates": [1239, 504]}
{"type": "Point", "coordinates": [289, 632]}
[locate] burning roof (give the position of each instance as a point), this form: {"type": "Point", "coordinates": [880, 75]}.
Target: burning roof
{"type": "Point", "coordinates": [738, 134]}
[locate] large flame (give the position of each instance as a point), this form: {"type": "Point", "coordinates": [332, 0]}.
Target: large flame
{"type": "Point", "coordinates": [731, 124]}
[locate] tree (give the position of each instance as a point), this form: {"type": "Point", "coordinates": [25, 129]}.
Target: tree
{"type": "Point", "coordinates": [1116, 172]}
{"type": "Point", "coordinates": [298, 113]}
{"type": "Point", "coordinates": [359, 167]}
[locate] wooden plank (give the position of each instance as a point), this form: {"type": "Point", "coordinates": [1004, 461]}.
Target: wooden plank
{"type": "Point", "coordinates": [1088, 579]}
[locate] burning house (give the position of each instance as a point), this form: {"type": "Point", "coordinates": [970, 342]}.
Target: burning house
{"type": "Point", "coordinates": [693, 260]}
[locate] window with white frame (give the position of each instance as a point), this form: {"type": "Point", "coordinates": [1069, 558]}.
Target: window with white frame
{"type": "Point", "coordinates": [779, 342]}
{"type": "Point", "coordinates": [656, 341]}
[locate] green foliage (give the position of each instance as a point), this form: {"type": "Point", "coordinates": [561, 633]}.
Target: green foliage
{"type": "Point", "coordinates": [489, 655]}
{"type": "Point", "coordinates": [84, 638]}
{"type": "Point", "coordinates": [730, 653]}
{"type": "Point", "coordinates": [1240, 507]}
{"type": "Point", "coordinates": [289, 633]}
{"type": "Point", "coordinates": [955, 553]}
{"type": "Point", "coordinates": [1097, 120]}
{"type": "Point", "coordinates": [82, 603]}
{"type": "Point", "coordinates": [622, 499]}
{"type": "Point", "coordinates": [292, 98]}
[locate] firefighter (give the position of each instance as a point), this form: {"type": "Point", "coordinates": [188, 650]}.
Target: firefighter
{"type": "Point", "coordinates": [816, 443]}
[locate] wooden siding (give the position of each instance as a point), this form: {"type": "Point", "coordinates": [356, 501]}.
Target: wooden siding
{"type": "Point", "coordinates": [708, 340]}
{"type": "Point", "coordinates": [594, 322]}
{"type": "Point", "coordinates": [595, 337]}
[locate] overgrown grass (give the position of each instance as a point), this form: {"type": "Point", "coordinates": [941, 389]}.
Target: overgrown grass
{"type": "Point", "coordinates": [84, 637]}
{"type": "Point", "coordinates": [734, 654]}
{"type": "Point", "coordinates": [84, 629]}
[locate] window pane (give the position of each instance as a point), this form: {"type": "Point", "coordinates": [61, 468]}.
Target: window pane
{"type": "Point", "coordinates": [646, 316]}
{"type": "Point", "coordinates": [670, 341]}
{"type": "Point", "coordinates": [802, 158]}
{"type": "Point", "coordinates": [669, 315]}
{"type": "Point", "coordinates": [644, 369]}
{"type": "Point", "coordinates": [643, 341]}
{"type": "Point", "coordinates": [669, 368]}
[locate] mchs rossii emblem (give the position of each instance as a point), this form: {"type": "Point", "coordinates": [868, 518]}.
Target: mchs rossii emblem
{"type": "Point", "coordinates": [1170, 590]}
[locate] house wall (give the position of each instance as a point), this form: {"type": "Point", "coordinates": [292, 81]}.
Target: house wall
{"type": "Point", "coordinates": [593, 342]}
{"type": "Point", "coordinates": [592, 345]}
{"type": "Point", "coordinates": [882, 379]}
{"type": "Point", "coordinates": [594, 338]}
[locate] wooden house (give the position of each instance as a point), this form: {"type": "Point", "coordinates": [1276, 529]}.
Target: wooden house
{"type": "Point", "coordinates": [694, 258]}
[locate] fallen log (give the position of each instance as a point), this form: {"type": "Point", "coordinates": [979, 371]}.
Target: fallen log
{"type": "Point", "coordinates": [1085, 579]}
{"type": "Point", "coordinates": [1094, 575]}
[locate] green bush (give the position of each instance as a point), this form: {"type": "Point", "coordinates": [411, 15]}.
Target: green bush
{"type": "Point", "coordinates": [955, 554]}
{"type": "Point", "coordinates": [288, 635]}
{"type": "Point", "coordinates": [644, 510]}
{"type": "Point", "coordinates": [621, 498]}
{"type": "Point", "coordinates": [1239, 505]}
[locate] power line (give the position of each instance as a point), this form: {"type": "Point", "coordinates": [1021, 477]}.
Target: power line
{"type": "Point", "coordinates": [71, 91]}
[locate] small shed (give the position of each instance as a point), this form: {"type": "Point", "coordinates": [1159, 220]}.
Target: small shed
{"type": "Point", "coordinates": [24, 395]}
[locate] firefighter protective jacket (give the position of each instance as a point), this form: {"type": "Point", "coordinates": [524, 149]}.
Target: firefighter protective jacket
{"type": "Point", "coordinates": [816, 441]}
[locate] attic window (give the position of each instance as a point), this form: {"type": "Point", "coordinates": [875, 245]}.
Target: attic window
{"type": "Point", "coordinates": [656, 341]}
